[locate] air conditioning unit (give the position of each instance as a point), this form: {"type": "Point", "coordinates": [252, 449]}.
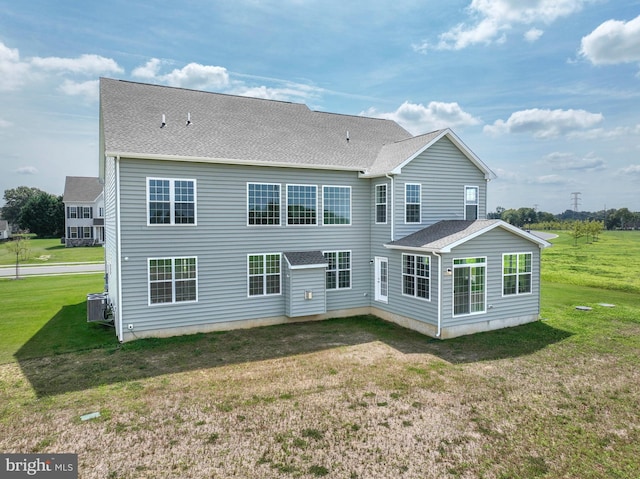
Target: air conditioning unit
{"type": "Point", "coordinates": [97, 307]}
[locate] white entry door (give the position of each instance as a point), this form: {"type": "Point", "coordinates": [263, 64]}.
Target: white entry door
{"type": "Point", "coordinates": [382, 279]}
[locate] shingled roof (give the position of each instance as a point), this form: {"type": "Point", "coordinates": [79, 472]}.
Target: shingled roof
{"type": "Point", "coordinates": [445, 235]}
{"type": "Point", "coordinates": [81, 189]}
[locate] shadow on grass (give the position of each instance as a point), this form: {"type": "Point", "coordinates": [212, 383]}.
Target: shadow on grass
{"type": "Point", "coordinates": [68, 354]}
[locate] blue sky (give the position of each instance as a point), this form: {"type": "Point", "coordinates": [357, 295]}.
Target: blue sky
{"type": "Point", "coordinates": [546, 92]}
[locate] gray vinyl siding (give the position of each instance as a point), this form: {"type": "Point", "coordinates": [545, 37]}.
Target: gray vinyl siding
{"type": "Point", "coordinates": [492, 245]}
{"type": "Point", "coordinates": [443, 171]}
{"type": "Point", "coordinates": [221, 241]}
{"type": "Point", "coordinates": [110, 234]}
{"type": "Point", "coordinates": [297, 282]}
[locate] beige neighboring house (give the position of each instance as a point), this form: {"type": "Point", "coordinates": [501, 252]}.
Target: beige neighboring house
{"type": "Point", "coordinates": [84, 211]}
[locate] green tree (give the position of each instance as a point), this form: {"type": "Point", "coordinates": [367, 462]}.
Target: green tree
{"type": "Point", "coordinates": [15, 199]}
{"type": "Point", "coordinates": [19, 247]}
{"type": "Point", "coordinates": [43, 214]}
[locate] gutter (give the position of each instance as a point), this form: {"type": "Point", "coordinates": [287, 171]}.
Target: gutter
{"type": "Point", "coordinates": [392, 215]}
{"type": "Point", "coordinates": [118, 250]}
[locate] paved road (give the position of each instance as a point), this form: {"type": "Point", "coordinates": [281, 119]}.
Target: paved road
{"type": "Point", "coordinates": [52, 269]}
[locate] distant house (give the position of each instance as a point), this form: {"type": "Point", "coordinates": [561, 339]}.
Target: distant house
{"type": "Point", "coordinates": [229, 212]}
{"type": "Point", "coordinates": [84, 211]}
{"type": "Point", "coordinates": [5, 230]}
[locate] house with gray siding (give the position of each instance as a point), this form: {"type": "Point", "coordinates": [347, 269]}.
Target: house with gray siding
{"type": "Point", "coordinates": [226, 212]}
{"type": "Point", "coordinates": [83, 200]}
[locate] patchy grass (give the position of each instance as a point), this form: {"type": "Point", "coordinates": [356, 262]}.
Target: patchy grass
{"type": "Point", "coordinates": [349, 398]}
{"type": "Point", "coordinates": [47, 251]}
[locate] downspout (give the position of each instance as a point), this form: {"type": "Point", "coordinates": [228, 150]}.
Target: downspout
{"type": "Point", "coordinates": [118, 249]}
{"type": "Point", "coordinates": [392, 215]}
{"type": "Point", "coordinates": [439, 331]}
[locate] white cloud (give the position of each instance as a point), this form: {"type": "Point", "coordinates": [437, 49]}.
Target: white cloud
{"type": "Point", "coordinates": [603, 134]}
{"type": "Point", "coordinates": [5, 123]}
{"type": "Point", "coordinates": [493, 18]}
{"type": "Point", "coordinates": [417, 118]}
{"type": "Point", "coordinates": [549, 180]}
{"type": "Point", "coordinates": [84, 64]}
{"type": "Point", "coordinates": [27, 170]}
{"type": "Point", "coordinates": [13, 72]}
{"type": "Point", "coordinates": [533, 35]}
{"type": "Point", "coordinates": [570, 162]}
{"type": "Point", "coordinates": [613, 42]}
{"type": "Point", "coordinates": [544, 123]}
{"type": "Point", "coordinates": [631, 170]}
{"type": "Point", "coordinates": [88, 89]}
{"type": "Point", "coordinates": [193, 75]}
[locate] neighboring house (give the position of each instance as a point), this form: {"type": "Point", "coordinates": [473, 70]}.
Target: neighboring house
{"type": "Point", "coordinates": [5, 230]}
{"type": "Point", "coordinates": [229, 212]}
{"type": "Point", "coordinates": [83, 211]}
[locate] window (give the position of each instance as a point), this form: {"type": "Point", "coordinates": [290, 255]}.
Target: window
{"type": "Point", "coordinates": [172, 280]}
{"type": "Point", "coordinates": [73, 232]}
{"type": "Point", "coordinates": [412, 202]}
{"type": "Point", "coordinates": [264, 274]}
{"type": "Point", "coordinates": [263, 204]}
{"type": "Point", "coordinates": [469, 280]}
{"type": "Point", "coordinates": [72, 212]}
{"type": "Point", "coordinates": [87, 212]}
{"type": "Point", "coordinates": [381, 203]}
{"type": "Point", "coordinates": [415, 276]}
{"type": "Point", "coordinates": [101, 212]}
{"type": "Point", "coordinates": [336, 205]}
{"type": "Point", "coordinates": [338, 273]}
{"type": "Point", "coordinates": [87, 232]}
{"type": "Point", "coordinates": [301, 205]}
{"type": "Point", "coordinates": [171, 202]}
{"type": "Point", "coordinates": [516, 273]}
{"type": "Point", "coordinates": [471, 202]}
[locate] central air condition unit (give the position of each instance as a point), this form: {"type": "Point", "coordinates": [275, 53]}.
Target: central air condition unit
{"type": "Point", "coordinates": [97, 307]}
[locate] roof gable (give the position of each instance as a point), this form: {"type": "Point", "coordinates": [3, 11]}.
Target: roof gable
{"type": "Point", "coordinates": [444, 236]}
{"type": "Point", "coordinates": [81, 189]}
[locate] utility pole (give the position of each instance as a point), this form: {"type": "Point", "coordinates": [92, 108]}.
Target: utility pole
{"type": "Point", "coordinates": [575, 200]}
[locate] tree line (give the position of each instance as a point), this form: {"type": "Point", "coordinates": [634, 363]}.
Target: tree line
{"type": "Point", "coordinates": [529, 218]}
{"type": "Point", "coordinates": [32, 210]}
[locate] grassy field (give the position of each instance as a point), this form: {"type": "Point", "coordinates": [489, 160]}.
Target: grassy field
{"type": "Point", "coordinates": [345, 398]}
{"type": "Point", "coordinates": [46, 251]}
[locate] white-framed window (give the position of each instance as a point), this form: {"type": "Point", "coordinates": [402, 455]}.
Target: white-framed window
{"type": "Point", "coordinates": [87, 212]}
{"type": "Point", "coordinates": [73, 232]}
{"type": "Point", "coordinates": [471, 202]}
{"type": "Point", "coordinates": [171, 201]}
{"type": "Point", "coordinates": [263, 204]}
{"type": "Point", "coordinates": [516, 273]}
{"type": "Point", "coordinates": [263, 274]}
{"type": "Point", "coordinates": [87, 232]}
{"type": "Point", "coordinates": [381, 204]}
{"type": "Point", "coordinates": [416, 276]}
{"type": "Point", "coordinates": [302, 205]}
{"type": "Point", "coordinates": [72, 212]}
{"type": "Point", "coordinates": [469, 285]}
{"type": "Point", "coordinates": [412, 203]}
{"type": "Point", "coordinates": [173, 280]}
{"type": "Point", "coordinates": [336, 205]}
{"type": "Point", "coordinates": [100, 212]}
{"type": "Point", "coordinates": [338, 272]}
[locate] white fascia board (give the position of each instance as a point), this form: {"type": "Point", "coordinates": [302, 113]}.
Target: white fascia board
{"type": "Point", "coordinates": [417, 249]}
{"type": "Point", "coordinates": [227, 161]}
{"type": "Point", "coordinates": [309, 266]}
{"type": "Point", "coordinates": [499, 224]}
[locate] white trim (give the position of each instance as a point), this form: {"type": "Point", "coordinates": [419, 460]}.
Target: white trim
{"type": "Point", "coordinates": [406, 204]}
{"type": "Point", "coordinates": [173, 280]}
{"type": "Point", "coordinates": [378, 296]}
{"type": "Point", "coordinates": [172, 201]}
{"type": "Point", "coordinates": [477, 203]}
{"type": "Point", "coordinates": [118, 232]}
{"type": "Point", "coordinates": [402, 275]}
{"type": "Point", "coordinates": [337, 270]}
{"type": "Point", "coordinates": [517, 274]}
{"type": "Point", "coordinates": [264, 275]}
{"type": "Point", "coordinates": [386, 203]}
{"type": "Point", "coordinates": [453, 284]}
{"type": "Point", "coordinates": [350, 205]}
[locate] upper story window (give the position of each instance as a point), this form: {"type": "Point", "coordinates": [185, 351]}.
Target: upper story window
{"type": "Point", "coordinates": [87, 212]}
{"type": "Point", "coordinates": [415, 275]}
{"type": "Point", "coordinates": [381, 203]}
{"type": "Point", "coordinates": [72, 212]}
{"type": "Point", "coordinates": [263, 271]}
{"type": "Point", "coordinates": [173, 280]}
{"type": "Point", "coordinates": [516, 273]}
{"type": "Point", "coordinates": [302, 205]}
{"type": "Point", "coordinates": [471, 202]}
{"type": "Point", "coordinates": [336, 205]}
{"type": "Point", "coordinates": [171, 201]}
{"type": "Point", "coordinates": [263, 204]}
{"type": "Point", "coordinates": [338, 273]}
{"type": "Point", "coordinates": [412, 203]}
{"type": "Point", "coordinates": [100, 212]}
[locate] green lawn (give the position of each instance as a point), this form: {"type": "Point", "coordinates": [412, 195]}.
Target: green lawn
{"type": "Point", "coordinates": [350, 397]}
{"type": "Point", "coordinates": [43, 251]}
